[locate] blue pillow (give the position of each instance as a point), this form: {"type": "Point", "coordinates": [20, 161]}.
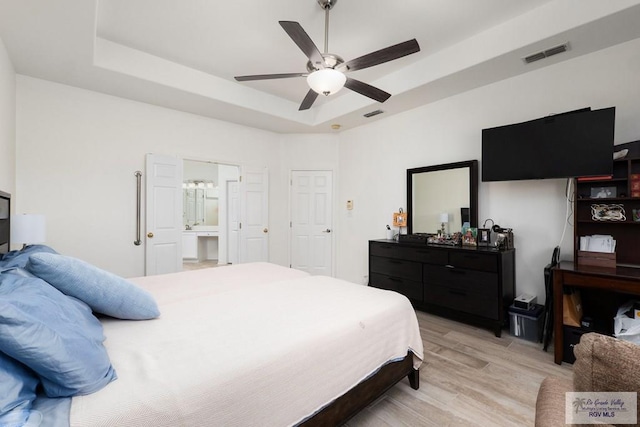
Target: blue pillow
{"type": "Point", "coordinates": [55, 335]}
{"type": "Point", "coordinates": [104, 292]}
{"type": "Point", "coordinates": [20, 257]}
{"type": "Point", "coordinates": [17, 391]}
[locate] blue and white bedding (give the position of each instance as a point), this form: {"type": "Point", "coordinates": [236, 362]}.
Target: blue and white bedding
{"type": "Point", "coordinates": [249, 344]}
{"type": "Point", "coordinates": [51, 344]}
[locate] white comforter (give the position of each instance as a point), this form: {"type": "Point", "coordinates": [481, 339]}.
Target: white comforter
{"type": "Point", "coordinates": [246, 345]}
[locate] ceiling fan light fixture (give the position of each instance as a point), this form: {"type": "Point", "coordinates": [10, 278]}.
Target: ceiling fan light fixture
{"type": "Point", "coordinates": [326, 81]}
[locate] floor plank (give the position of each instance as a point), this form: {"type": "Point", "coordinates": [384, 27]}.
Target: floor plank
{"type": "Point", "coordinates": [469, 377]}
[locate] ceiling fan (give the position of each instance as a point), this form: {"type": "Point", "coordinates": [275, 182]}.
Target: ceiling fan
{"type": "Point", "coordinates": [326, 71]}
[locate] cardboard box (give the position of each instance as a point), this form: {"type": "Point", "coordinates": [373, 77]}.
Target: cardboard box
{"type": "Point", "coordinates": [597, 259]}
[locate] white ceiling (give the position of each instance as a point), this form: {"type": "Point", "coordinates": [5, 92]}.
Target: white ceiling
{"type": "Point", "coordinates": [183, 54]}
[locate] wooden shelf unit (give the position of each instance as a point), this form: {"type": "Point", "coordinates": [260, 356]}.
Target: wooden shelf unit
{"type": "Point", "coordinates": [627, 232]}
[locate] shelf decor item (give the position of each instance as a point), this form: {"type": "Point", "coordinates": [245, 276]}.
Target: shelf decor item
{"type": "Point", "coordinates": [634, 184]}
{"type": "Point", "coordinates": [603, 192]}
{"type": "Point", "coordinates": [614, 212]}
{"type": "Point", "coordinates": [448, 240]}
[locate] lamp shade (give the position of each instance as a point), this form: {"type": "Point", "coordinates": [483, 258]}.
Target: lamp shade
{"type": "Point", "coordinates": [28, 229]}
{"type": "Point", "coordinates": [327, 81]}
{"type": "Point", "coordinates": [444, 217]}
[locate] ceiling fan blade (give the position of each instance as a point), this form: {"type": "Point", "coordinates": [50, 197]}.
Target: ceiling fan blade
{"type": "Point", "coordinates": [269, 76]}
{"type": "Point", "coordinates": [308, 100]}
{"type": "Point", "coordinates": [381, 56]}
{"type": "Point", "coordinates": [304, 42]}
{"type": "Point", "coordinates": [366, 90]}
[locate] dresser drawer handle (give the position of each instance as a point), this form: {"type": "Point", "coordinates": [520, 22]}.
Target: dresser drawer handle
{"type": "Point", "coordinates": [453, 269]}
{"type": "Point", "coordinates": [459, 293]}
{"type": "Point", "coordinates": [395, 279]}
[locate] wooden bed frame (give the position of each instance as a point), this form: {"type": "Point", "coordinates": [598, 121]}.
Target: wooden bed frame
{"type": "Point", "coordinates": [349, 404]}
{"type": "Point", "coordinates": [337, 412]}
{"type": "Point", "coordinates": [5, 215]}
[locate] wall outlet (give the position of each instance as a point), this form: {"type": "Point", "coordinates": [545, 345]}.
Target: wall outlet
{"type": "Point", "coordinates": [349, 205]}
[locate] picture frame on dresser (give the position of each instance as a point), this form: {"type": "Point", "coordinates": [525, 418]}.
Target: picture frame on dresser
{"type": "Point", "coordinates": [484, 237]}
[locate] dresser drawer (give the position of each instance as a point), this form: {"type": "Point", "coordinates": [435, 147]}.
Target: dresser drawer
{"type": "Point", "coordinates": [397, 268]}
{"type": "Point", "coordinates": [474, 261]}
{"type": "Point", "coordinates": [478, 304]}
{"type": "Point", "coordinates": [462, 279]}
{"type": "Point", "coordinates": [411, 253]}
{"type": "Point", "coordinates": [409, 288]}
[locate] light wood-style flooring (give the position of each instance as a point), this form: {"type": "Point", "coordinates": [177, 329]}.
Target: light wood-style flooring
{"type": "Point", "coordinates": [468, 378]}
{"type": "Point", "coordinates": [201, 264]}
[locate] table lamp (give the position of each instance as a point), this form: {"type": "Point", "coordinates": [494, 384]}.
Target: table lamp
{"type": "Point", "coordinates": [28, 229]}
{"type": "Point", "coordinates": [444, 220]}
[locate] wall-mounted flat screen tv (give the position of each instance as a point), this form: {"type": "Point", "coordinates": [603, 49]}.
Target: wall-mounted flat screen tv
{"type": "Point", "coordinates": [572, 144]}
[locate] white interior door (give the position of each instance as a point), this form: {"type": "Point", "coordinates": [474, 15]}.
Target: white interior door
{"type": "Point", "coordinates": [254, 218]}
{"type": "Point", "coordinates": [163, 215]}
{"type": "Point", "coordinates": [233, 215]}
{"type": "Point", "coordinates": [311, 221]}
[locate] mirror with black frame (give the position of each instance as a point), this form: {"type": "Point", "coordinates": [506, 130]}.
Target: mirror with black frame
{"type": "Point", "coordinates": [442, 192]}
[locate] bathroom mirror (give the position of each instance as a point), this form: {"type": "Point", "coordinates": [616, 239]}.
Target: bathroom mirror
{"type": "Point", "coordinates": [200, 193]}
{"type": "Point", "coordinates": [435, 193]}
{"type": "Point", "coordinates": [200, 203]}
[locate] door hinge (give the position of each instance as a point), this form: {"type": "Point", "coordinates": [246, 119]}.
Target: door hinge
{"type": "Point", "coordinates": [290, 224]}
{"type": "Point", "coordinates": [240, 178]}
{"type": "Point", "coordinates": [240, 226]}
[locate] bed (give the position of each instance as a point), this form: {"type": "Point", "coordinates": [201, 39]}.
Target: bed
{"type": "Point", "coordinates": [248, 344]}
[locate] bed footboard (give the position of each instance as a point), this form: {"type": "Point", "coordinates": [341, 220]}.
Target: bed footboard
{"type": "Point", "coordinates": [359, 397]}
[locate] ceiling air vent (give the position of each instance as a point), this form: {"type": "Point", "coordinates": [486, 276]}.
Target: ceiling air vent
{"type": "Point", "coordinates": [373, 113]}
{"type": "Point", "coordinates": [546, 53]}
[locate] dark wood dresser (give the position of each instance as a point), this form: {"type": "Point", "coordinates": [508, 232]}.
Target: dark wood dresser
{"type": "Point", "coordinates": [474, 285]}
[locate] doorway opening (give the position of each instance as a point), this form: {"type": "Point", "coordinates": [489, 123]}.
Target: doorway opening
{"type": "Point", "coordinates": [210, 216]}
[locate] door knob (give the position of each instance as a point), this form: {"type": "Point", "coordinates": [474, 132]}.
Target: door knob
{"type": "Point", "coordinates": [327, 230]}
{"type": "Point", "coordinates": [265, 230]}
{"type": "Point", "coordinates": [150, 235]}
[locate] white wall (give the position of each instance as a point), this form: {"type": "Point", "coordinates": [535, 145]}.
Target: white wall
{"type": "Point", "coordinates": [374, 158]}
{"type": "Point", "coordinates": [7, 122]}
{"type": "Point", "coordinates": [77, 152]}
